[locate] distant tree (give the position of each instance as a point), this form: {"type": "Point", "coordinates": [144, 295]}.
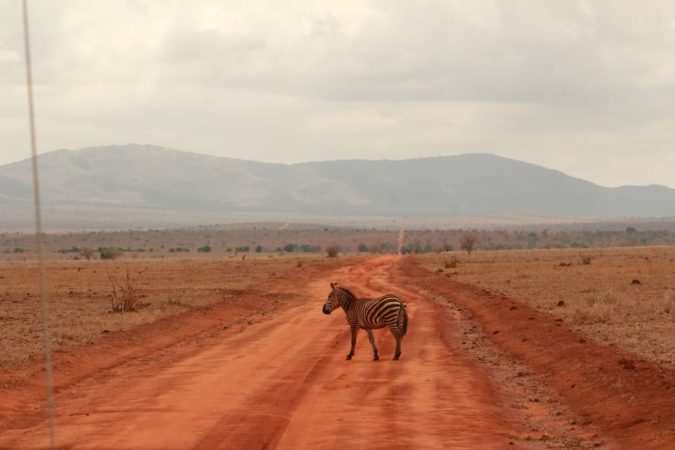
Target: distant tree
{"type": "Point", "coordinates": [467, 242]}
{"type": "Point", "coordinates": [386, 247]}
{"type": "Point", "coordinates": [308, 248]}
{"type": "Point", "coordinates": [332, 251]}
{"type": "Point", "coordinates": [362, 248]}
{"type": "Point", "coordinates": [205, 249]}
{"type": "Point", "coordinates": [631, 230]}
{"type": "Point", "coordinates": [258, 249]}
{"type": "Point", "coordinates": [87, 253]}
{"type": "Point", "coordinates": [109, 253]}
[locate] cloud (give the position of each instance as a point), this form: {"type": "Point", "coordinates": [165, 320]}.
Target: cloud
{"type": "Point", "coordinates": [585, 87]}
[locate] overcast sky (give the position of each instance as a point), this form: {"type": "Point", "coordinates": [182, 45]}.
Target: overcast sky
{"type": "Point", "coordinates": [586, 87]}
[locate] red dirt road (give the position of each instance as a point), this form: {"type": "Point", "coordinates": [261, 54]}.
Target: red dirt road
{"type": "Point", "coordinates": [284, 383]}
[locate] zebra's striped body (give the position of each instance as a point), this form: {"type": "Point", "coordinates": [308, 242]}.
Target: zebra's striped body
{"type": "Point", "coordinates": [386, 311]}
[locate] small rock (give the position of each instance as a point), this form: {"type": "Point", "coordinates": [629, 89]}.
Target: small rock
{"type": "Point", "coordinates": [561, 303]}
{"type": "Point", "coordinates": [635, 281]}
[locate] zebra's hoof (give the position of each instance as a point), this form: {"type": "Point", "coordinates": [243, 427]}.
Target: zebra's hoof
{"type": "Point", "coordinates": [396, 357]}
{"type": "Point", "coordinates": [376, 358]}
{"type": "Point", "coordinates": [349, 357]}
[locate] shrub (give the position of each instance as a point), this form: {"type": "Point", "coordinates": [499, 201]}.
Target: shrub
{"type": "Point", "coordinates": [109, 253]}
{"type": "Point", "coordinates": [451, 263]}
{"type": "Point", "coordinates": [362, 248]}
{"type": "Point", "coordinates": [69, 250]}
{"type": "Point", "coordinates": [124, 294]}
{"type": "Point", "coordinates": [87, 253]}
{"type": "Point", "coordinates": [467, 242]}
{"type": "Point", "coordinates": [205, 249]}
{"type": "Point", "coordinates": [332, 251]}
{"type": "Point", "coordinates": [586, 259]}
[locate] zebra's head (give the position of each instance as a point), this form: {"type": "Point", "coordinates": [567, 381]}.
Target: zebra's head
{"type": "Point", "coordinates": [333, 300]}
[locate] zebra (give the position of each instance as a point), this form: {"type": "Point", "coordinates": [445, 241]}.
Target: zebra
{"type": "Point", "coordinates": [386, 311]}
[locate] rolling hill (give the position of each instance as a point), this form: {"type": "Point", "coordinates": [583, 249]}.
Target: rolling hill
{"type": "Point", "coordinates": [143, 177]}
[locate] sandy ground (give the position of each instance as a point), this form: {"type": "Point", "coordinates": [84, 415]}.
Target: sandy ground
{"type": "Point", "coordinates": [281, 381]}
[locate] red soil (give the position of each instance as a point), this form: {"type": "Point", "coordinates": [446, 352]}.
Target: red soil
{"type": "Point", "coordinates": [280, 380]}
{"type": "Point", "coordinates": [630, 400]}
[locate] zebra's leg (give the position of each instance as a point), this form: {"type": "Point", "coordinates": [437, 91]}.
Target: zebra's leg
{"type": "Point", "coordinates": [355, 330]}
{"type": "Point", "coordinates": [397, 334]}
{"type": "Point", "coordinates": [371, 338]}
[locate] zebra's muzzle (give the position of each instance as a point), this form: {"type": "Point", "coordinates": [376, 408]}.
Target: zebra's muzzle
{"type": "Point", "coordinates": [326, 310]}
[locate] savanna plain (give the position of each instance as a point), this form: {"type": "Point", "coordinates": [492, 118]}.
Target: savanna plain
{"type": "Point", "coordinates": [228, 348]}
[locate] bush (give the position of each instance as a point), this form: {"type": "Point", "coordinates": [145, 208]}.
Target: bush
{"type": "Point", "coordinates": [179, 250]}
{"type": "Point", "coordinates": [124, 294]}
{"type": "Point", "coordinates": [109, 253]}
{"type": "Point", "coordinates": [87, 253]}
{"type": "Point", "coordinates": [362, 248]}
{"type": "Point", "coordinates": [205, 249]}
{"type": "Point", "coordinates": [467, 242]}
{"type": "Point", "coordinates": [451, 263]}
{"type": "Point", "coordinates": [305, 248]}
{"type": "Point", "coordinates": [332, 251]}
{"type": "Point", "coordinates": [69, 250]}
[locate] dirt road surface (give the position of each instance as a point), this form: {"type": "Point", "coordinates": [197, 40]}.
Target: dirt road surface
{"type": "Point", "coordinates": [283, 382]}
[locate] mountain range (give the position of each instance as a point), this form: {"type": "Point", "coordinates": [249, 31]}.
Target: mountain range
{"type": "Point", "coordinates": [155, 178]}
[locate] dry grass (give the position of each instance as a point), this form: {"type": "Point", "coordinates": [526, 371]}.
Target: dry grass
{"type": "Point", "coordinates": [80, 295]}
{"type": "Point", "coordinates": [621, 296]}
{"type": "Point", "coordinates": [124, 294]}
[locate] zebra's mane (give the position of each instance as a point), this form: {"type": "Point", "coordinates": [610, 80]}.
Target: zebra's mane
{"type": "Point", "coordinates": [350, 293]}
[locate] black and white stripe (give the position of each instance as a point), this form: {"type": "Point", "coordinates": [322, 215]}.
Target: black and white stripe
{"type": "Point", "coordinates": [370, 313]}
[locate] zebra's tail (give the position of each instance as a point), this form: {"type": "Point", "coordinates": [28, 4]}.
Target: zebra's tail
{"type": "Point", "coordinates": [402, 321]}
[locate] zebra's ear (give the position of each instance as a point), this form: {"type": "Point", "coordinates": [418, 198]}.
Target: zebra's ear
{"type": "Point", "coordinates": [333, 285]}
